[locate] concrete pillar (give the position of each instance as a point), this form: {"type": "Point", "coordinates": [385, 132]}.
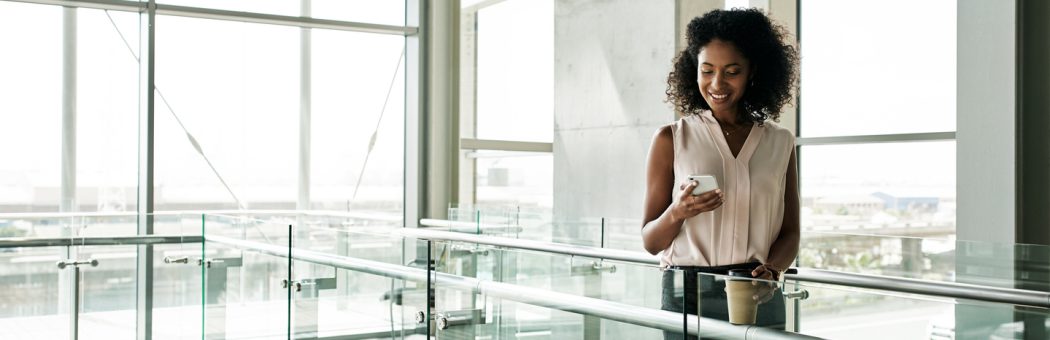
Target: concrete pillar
{"type": "Point", "coordinates": [986, 146]}
{"type": "Point", "coordinates": [611, 60]}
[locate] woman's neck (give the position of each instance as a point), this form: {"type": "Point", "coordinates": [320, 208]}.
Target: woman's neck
{"type": "Point", "coordinates": [727, 117]}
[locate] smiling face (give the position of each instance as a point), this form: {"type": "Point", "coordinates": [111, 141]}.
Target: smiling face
{"type": "Point", "coordinates": [723, 75]}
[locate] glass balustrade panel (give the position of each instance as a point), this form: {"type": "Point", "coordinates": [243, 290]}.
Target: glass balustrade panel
{"type": "Point", "coordinates": [245, 294]}
{"type": "Point", "coordinates": [107, 292]}
{"type": "Point", "coordinates": [33, 304]}
{"type": "Point", "coordinates": [839, 311]}
{"type": "Point", "coordinates": [371, 298]}
{"type": "Point", "coordinates": [177, 278]}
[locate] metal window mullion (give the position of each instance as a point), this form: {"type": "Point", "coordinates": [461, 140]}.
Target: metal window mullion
{"type": "Point", "coordinates": [504, 145]}
{"type": "Point", "coordinates": [218, 14]}
{"type": "Point", "coordinates": [115, 5]}
{"type": "Point", "coordinates": [870, 139]}
{"type": "Point", "coordinates": [468, 79]}
{"type": "Point", "coordinates": [144, 260]}
{"type": "Point", "coordinates": [305, 109]}
{"type": "Point", "coordinates": [69, 280]}
{"type": "Point", "coordinates": [283, 20]}
{"type": "Point", "coordinates": [414, 99]}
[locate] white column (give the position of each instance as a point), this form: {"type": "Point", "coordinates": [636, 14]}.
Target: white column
{"type": "Point", "coordinates": [986, 147]}
{"type": "Point", "coordinates": [986, 135]}
{"type": "Point", "coordinates": [442, 111]}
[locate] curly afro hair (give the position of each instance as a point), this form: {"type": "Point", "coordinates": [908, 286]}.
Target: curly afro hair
{"type": "Point", "coordinates": [761, 41]}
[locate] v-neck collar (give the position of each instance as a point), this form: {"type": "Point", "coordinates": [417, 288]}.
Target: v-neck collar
{"type": "Point", "coordinates": [750, 143]}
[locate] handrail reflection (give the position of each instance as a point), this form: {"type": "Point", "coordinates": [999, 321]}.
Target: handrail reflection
{"type": "Point", "coordinates": [913, 286]}
{"type": "Point", "coordinates": [25, 242]}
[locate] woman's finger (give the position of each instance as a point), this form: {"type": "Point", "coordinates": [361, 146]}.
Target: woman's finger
{"type": "Point", "coordinates": [764, 295]}
{"type": "Point", "coordinates": [761, 272]}
{"type": "Point", "coordinates": [709, 205]}
{"type": "Point", "coordinates": [687, 190]}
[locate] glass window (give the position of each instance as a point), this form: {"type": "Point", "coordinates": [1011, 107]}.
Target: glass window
{"type": "Point", "coordinates": [887, 71]}
{"type": "Point", "coordinates": [515, 71]}
{"type": "Point", "coordinates": [514, 178]}
{"type": "Point", "coordinates": [31, 109]}
{"type": "Point", "coordinates": [904, 189]}
{"type": "Point", "coordinates": [234, 87]}
{"type": "Point", "coordinates": [350, 105]}
{"type": "Point", "coordinates": [370, 11]}
{"type": "Point", "coordinates": [107, 110]}
{"type": "Point", "coordinates": [366, 11]}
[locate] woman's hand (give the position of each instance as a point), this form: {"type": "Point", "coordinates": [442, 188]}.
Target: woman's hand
{"type": "Point", "coordinates": [688, 205]}
{"type": "Point", "coordinates": [765, 290]}
{"type": "Point", "coordinates": [767, 272]}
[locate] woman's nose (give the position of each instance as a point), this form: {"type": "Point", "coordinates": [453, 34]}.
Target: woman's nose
{"type": "Point", "coordinates": [719, 81]}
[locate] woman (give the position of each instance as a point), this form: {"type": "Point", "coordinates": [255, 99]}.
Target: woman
{"type": "Point", "coordinates": [730, 83]}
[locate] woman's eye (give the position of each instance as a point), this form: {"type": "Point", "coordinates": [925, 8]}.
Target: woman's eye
{"type": "Point", "coordinates": [706, 71]}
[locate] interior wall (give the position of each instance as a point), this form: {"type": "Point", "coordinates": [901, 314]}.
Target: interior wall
{"type": "Point", "coordinates": [611, 60]}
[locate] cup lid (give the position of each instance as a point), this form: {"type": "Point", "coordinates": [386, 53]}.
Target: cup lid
{"type": "Point", "coordinates": [740, 273]}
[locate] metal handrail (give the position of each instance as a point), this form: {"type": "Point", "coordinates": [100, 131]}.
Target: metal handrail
{"type": "Point", "coordinates": [648, 317]}
{"type": "Point", "coordinates": [914, 286]}
{"type": "Point", "coordinates": [886, 283]}
{"type": "Point", "coordinates": [24, 242]}
{"type": "Point", "coordinates": [517, 243]}
{"type": "Point", "coordinates": [879, 282]}
{"type": "Point", "coordinates": [319, 213]}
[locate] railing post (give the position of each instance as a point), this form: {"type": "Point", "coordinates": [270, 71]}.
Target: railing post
{"type": "Point", "coordinates": [74, 310]}
{"type": "Point", "coordinates": [74, 314]}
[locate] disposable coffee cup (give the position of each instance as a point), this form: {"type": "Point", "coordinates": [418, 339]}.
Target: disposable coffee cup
{"type": "Point", "coordinates": [740, 292]}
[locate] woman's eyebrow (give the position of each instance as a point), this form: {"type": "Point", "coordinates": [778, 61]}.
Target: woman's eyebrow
{"type": "Point", "coordinates": [712, 65]}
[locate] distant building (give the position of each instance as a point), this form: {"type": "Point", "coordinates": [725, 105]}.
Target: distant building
{"type": "Point", "coordinates": [908, 203]}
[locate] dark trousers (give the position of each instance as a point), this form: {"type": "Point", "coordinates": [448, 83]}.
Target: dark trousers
{"type": "Point", "coordinates": [711, 296]}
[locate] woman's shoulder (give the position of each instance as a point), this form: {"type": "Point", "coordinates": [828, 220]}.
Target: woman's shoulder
{"type": "Point", "coordinates": [781, 133]}
{"type": "Point", "coordinates": [670, 129]}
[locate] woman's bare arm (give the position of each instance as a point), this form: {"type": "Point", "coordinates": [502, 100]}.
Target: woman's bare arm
{"type": "Point", "coordinates": [662, 219]}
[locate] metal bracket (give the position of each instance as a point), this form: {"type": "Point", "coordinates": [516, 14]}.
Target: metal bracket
{"type": "Point", "coordinates": [800, 294]}
{"type": "Point", "coordinates": [64, 264]}
{"type": "Point", "coordinates": [318, 283]}
{"type": "Point", "coordinates": [447, 319]}
{"type": "Point", "coordinates": [173, 259]}
{"type": "Point", "coordinates": [591, 268]}
{"type": "Point", "coordinates": [468, 250]}
{"type": "Point", "coordinates": [227, 262]}
{"type": "Point", "coordinates": [298, 286]}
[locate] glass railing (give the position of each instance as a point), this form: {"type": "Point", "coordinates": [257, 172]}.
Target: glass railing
{"type": "Point", "coordinates": [924, 286]}
{"type": "Point", "coordinates": [281, 274]}
{"type": "Point", "coordinates": [75, 276]}
{"type": "Point", "coordinates": [558, 275]}
{"type": "Point", "coordinates": [343, 279]}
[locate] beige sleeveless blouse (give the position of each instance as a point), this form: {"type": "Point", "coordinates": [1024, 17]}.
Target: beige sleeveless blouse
{"type": "Point", "coordinates": [745, 226]}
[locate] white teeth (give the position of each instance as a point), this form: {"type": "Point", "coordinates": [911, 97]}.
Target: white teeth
{"type": "Point", "coordinates": [719, 96]}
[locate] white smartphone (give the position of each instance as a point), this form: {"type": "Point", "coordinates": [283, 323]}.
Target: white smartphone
{"type": "Point", "coordinates": [705, 183]}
